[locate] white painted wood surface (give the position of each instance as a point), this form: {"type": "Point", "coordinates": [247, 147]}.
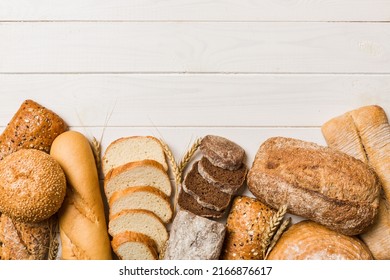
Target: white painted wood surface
{"type": "Point", "coordinates": [178, 70]}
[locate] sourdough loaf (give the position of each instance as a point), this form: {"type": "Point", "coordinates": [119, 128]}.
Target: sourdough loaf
{"type": "Point", "coordinates": [140, 221]}
{"type": "Point", "coordinates": [139, 173]}
{"type": "Point", "coordinates": [315, 182]}
{"type": "Point", "coordinates": [308, 240]}
{"type": "Point", "coordinates": [194, 238]}
{"type": "Point", "coordinates": [364, 133]}
{"type": "Point", "coordinates": [32, 127]}
{"type": "Point", "coordinates": [245, 226]}
{"type": "Point", "coordinates": [222, 152]}
{"type": "Point", "coordinates": [32, 186]}
{"type": "Point", "coordinates": [148, 198]}
{"type": "Point", "coordinates": [228, 181]}
{"type": "Point", "coordinates": [134, 148]}
{"type": "Point", "coordinates": [134, 246]}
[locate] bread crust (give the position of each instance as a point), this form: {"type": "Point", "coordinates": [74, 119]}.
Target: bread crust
{"type": "Point", "coordinates": [130, 236]}
{"type": "Point", "coordinates": [317, 183]}
{"type": "Point", "coordinates": [82, 220]}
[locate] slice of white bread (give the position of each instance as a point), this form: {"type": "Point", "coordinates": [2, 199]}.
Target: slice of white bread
{"type": "Point", "coordinates": [139, 173]}
{"type": "Point", "coordinates": [148, 198]}
{"type": "Point", "coordinates": [134, 148]}
{"type": "Point", "coordinates": [130, 245]}
{"type": "Point", "coordinates": [141, 221]}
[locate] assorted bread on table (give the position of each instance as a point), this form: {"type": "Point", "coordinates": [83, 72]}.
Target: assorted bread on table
{"type": "Point", "coordinates": [144, 207]}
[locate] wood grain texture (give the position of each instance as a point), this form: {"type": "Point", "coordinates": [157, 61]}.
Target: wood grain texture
{"type": "Point", "coordinates": [200, 47]}
{"type": "Point", "coordinates": [196, 10]}
{"type": "Point", "coordinates": [195, 100]}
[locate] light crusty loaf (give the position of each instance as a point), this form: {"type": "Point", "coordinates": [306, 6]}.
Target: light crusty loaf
{"type": "Point", "coordinates": [83, 227]}
{"type": "Point", "coordinates": [134, 246]}
{"type": "Point", "coordinates": [134, 148]}
{"type": "Point", "coordinates": [222, 152]}
{"type": "Point", "coordinates": [194, 238]}
{"type": "Point", "coordinates": [205, 193]}
{"type": "Point", "coordinates": [308, 240]}
{"type": "Point", "coordinates": [245, 226]}
{"type": "Point", "coordinates": [228, 181]}
{"type": "Point", "coordinates": [315, 182]}
{"type": "Point", "coordinates": [141, 221]}
{"type": "Point", "coordinates": [22, 241]}
{"type": "Point", "coordinates": [32, 186]}
{"type": "Point", "coordinates": [364, 133]}
{"type": "Point", "coordinates": [148, 198]}
{"type": "Point", "coordinates": [32, 127]}
{"type": "Point", "coordinates": [139, 173]}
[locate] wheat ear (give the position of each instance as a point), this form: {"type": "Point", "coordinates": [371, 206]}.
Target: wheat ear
{"type": "Point", "coordinates": [188, 155]}
{"type": "Point", "coordinates": [97, 149]}
{"type": "Point", "coordinates": [272, 228]}
{"type": "Point", "coordinates": [277, 236]}
{"type": "Point", "coordinates": [53, 243]}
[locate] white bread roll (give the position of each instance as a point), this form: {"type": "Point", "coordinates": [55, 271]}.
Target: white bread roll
{"type": "Point", "coordinates": [82, 222]}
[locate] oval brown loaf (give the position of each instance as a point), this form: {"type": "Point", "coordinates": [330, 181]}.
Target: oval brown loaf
{"type": "Point", "coordinates": [245, 226]}
{"type": "Point", "coordinates": [315, 182]}
{"type": "Point", "coordinates": [308, 240]}
{"type": "Point", "coordinates": [32, 186]}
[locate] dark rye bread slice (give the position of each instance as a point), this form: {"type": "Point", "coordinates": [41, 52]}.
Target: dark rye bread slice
{"type": "Point", "coordinates": [205, 193]}
{"type": "Point", "coordinates": [187, 202]}
{"type": "Point", "coordinates": [222, 152]}
{"type": "Point", "coordinates": [228, 181]}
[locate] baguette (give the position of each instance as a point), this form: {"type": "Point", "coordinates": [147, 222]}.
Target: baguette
{"type": "Point", "coordinates": [82, 221]}
{"type": "Point", "coordinates": [317, 183]}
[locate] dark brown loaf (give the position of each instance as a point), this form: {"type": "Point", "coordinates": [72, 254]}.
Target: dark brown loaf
{"type": "Point", "coordinates": [228, 181]}
{"type": "Point", "coordinates": [32, 127]}
{"type": "Point", "coordinates": [222, 152]}
{"type": "Point", "coordinates": [315, 182]}
{"type": "Point", "coordinates": [245, 226]}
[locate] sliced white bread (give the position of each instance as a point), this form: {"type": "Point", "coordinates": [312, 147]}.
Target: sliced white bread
{"type": "Point", "coordinates": [148, 198]}
{"type": "Point", "coordinates": [139, 173]}
{"type": "Point", "coordinates": [134, 148]}
{"type": "Point", "coordinates": [141, 221]}
{"type": "Point", "coordinates": [130, 245]}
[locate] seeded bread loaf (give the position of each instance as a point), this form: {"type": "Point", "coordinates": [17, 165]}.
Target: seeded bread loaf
{"type": "Point", "coordinates": [364, 133]}
{"type": "Point", "coordinates": [32, 127]}
{"type": "Point", "coordinates": [148, 198]}
{"type": "Point", "coordinates": [140, 221]}
{"type": "Point", "coordinates": [134, 246]}
{"type": "Point", "coordinates": [139, 173]}
{"type": "Point", "coordinates": [194, 238]}
{"type": "Point", "coordinates": [228, 181]}
{"type": "Point", "coordinates": [205, 193]}
{"type": "Point", "coordinates": [315, 182]}
{"type": "Point", "coordinates": [245, 226]}
{"type": "Point", "coordinates": [307, 240]}
{"type": "Point", "coordinates": [130, 149]}
{"type": "Point", "coordinates": [222, 152]}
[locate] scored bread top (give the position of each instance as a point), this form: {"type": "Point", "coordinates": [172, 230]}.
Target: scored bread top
{"type": "Point", "coordinates": [133, 148]}
{"type": "Point", "coordinates": [139, 173]}
{"type": "Point", "coordinates": [148, 198]}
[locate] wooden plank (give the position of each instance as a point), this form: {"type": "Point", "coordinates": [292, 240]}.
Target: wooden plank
{"type": "Point", "coordinates": [195, 10]}
{"type": "Point", "coordinates": [156, 47]}
{"type": "Point", "coordinates": [194, 100]}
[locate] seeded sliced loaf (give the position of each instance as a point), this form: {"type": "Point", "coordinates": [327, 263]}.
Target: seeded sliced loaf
{"type": "Point", "coordinates": [134, 246]}
{"type": "Point", "coordinates": [194, 238]}
{"type": "Point", "coordinates": [134, 148]}
{"type": "Point", "coordinates": [187, 202]}
{"type": "Point", "coordinates": [139, 173]}
{"type": "Point", "coordinates": [140, 221]}
{"type": "Point", "coordinates": [228, 181]}
{"type": "Point", "coordinates": [148, 198]}
{"type": "Point", "coordinates": [222, 152]}
{"type": "Point", "coordinates": [245, 226]}
{"type": "Point", "coordinates": [206, 194]}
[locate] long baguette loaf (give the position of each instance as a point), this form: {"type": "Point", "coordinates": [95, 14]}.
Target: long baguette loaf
{"type": "Point", "coordinates": [83, 227]}
{"type": "Point", "coordinates": [315, 182]}
{"type": "Point", "coordinates": [365, 134]}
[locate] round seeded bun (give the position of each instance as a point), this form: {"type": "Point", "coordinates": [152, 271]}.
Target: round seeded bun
{"type": "Point", "coordinates": [32, 186]}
